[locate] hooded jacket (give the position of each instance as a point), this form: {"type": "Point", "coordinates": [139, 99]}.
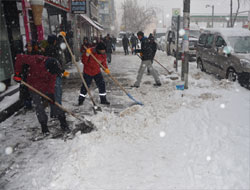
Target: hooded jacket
{"type": "Point", "coordinates": [146, 49]}
{"type": "Point", "coordinates": [91, 67]}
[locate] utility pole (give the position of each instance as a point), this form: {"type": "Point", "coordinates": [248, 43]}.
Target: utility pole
{"type": "Point", "coordinates": [212, 16]}
{"type": "Point", "coordinates": [231, 13]}
{"type": "Point", "coordinates": [249, 20]}
{"type": "Point", "coordinates": [185, 44]}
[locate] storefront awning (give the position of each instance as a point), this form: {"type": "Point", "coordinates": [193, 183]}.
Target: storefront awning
{"type": "Point", "coordinates": [90, 21]}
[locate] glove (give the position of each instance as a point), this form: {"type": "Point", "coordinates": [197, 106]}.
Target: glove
{"type": "Point", "coordinates": [17, 77]}
{"type": "Point", "coordinates": [107, 71]}
{"type": "Point", "coordinates": [63, 33]}
{"type": "Point", "coordinates": [65, 74]}
{"type": "Point", "coordinates": [88, 51]}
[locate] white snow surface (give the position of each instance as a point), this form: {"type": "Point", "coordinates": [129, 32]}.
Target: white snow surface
{"type": "Point", "coordinates": [192, 139]}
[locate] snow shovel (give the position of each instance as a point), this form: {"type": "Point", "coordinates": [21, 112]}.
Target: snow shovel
{"type": "Point", "coordinates": [159, 64]}
{"type": "Point", "coordinates": [95, 107]}
{"type": "Point", "coordinates": [163, 67]}
{"type": "Point", "coordinates": [46, 97]}
{"type": "Point", "coordinates": [116, 82]}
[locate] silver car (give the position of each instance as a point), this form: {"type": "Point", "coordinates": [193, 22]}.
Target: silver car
{"type": "Point", "coordinates": [225, 52]}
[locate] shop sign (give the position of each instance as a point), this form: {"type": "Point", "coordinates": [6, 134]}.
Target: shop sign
{"type": "Point", "coordinates": [78, 6]}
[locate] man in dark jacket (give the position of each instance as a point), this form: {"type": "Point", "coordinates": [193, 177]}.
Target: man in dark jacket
{"type": "Point", "coordinates": [153, 47]}
{"type": "Point", "coordinates": [134, 42]}
{"type": "Point", "coordinates": [125, 44]}
{"type": "Point", "coordinates": [108, 43]}
{"type": "Point", "coordinates": [146, 54]}
{"type": "Point", "coordinates": [52, 50]}
{"type": "Point", "coordinates": [42, 76]}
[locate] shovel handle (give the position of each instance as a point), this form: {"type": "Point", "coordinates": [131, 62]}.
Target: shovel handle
{"type": "Point", "coordinates": [46, 97]}
{"type": "Point", "coordinates": [79, 71]}
{"type": "Point", "coordinates": [116, 82]}
{"type": "Point", "coordinates": [162, 66]}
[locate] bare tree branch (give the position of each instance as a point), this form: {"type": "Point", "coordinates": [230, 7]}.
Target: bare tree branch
{"type": "Point", "coordinates": [136, 18]}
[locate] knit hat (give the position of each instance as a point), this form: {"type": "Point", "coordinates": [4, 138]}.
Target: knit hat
{"type": "Point", "coordinates": [100, 46]}
{"type": "Point", "coordinates": [140, 33]}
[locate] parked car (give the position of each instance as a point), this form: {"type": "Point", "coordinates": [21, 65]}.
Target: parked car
{"type": "Point", "coordinates": [161, 44]}
{"type": "Point", "coordinates": [225, 52]}
{"type": "Point", "coordinates": [171, 42]}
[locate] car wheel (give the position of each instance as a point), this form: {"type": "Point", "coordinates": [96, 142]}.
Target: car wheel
{"type": "Point", "coordinates": [200, 65]}
{"type": "Point", "coordinates": [231, 75]}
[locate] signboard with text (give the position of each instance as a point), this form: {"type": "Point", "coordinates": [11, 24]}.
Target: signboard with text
{"type": "Point", "coordinates": [78, 6]}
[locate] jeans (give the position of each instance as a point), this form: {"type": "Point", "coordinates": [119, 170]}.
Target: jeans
{"type": "Point", "coordinates": [58, 90]}
{"type": "Point", "coordinates": [146, 64]}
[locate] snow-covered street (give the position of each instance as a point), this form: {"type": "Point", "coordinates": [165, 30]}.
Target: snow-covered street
{"type": "Point", "coordinates": [193, 139]}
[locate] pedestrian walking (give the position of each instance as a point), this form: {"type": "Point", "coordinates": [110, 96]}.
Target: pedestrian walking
{"type": "Point", "coordinates": [108, 44]}
{"type": "Point", "coordinates": [146, 54]}
{"type": "Point", "coordinates": [153, 45]}
{"type": "Point", "coordinates": [86, 43]}
{"type": "Point", "coordinates": [125, 44]}
{"type": "Point", "coordinates": [114, 41]}
{"type": "Point", "coordinates": [42, 76]}
{"type": "Point", "coordinates": [133, 42]}
{"type": "Point", "coordinates": [92, 71]}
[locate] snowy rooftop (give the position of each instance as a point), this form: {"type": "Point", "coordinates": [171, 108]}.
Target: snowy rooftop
{"type": "Point", "coordinates": [230, 31]}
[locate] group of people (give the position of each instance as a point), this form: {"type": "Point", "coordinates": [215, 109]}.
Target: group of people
{"type": "Point", "coordinates": [132, 43]}
{"type": "Point", "coordinates": [41, 68]}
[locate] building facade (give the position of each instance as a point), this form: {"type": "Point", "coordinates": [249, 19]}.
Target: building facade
{"type": "Point", "coordinates": [107, 15]}
{"type": "Point", "coordinates": [19, 26]}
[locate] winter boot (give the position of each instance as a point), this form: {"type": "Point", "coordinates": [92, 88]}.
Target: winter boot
{"type": "Point", "coordinates": [45, 129]}
{"type": "Point", "coordinates": [64, 125]}
{"type": "Point", "coordinates": [81, 100]}
{"type": "Point", "coordinates": [104, 100]}
{"type": "Point", "coordinates": [157, 84]}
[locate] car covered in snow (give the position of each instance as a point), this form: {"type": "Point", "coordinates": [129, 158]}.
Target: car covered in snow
{"type": "Point", "coordinates": [225, 52]}
{"type": "Point", "coordinates": [161, 44]}
{"type": "Point", "coordinates": [171, 41]}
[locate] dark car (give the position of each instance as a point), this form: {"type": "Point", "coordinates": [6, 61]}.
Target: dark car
{"type": "Point", "coordinates": [225, 52]}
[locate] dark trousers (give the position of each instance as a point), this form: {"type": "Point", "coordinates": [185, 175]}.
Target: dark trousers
{"type": "Point", "coordinates": [134, 49]}
{"type": "Point", "coordinates": [126, 50]}
{"type": "Point", "coordinates": [109, 57]}
{"type": "Point", "coordinates": [39, 103]}
{"type": "Point", "coordinates": [99, 83]}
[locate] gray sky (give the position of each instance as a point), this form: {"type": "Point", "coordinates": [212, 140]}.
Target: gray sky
{"type": "Point", "coordinates": [197, 6]}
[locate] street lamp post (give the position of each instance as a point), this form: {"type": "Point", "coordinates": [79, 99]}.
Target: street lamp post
{"type": "Point", "coordinates": [212, 13]}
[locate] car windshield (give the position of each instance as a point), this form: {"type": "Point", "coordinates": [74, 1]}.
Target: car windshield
{"type": "Point", "coordinates": [194, 33]}
{"type": "Point", "coordinates": [240, 44]}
